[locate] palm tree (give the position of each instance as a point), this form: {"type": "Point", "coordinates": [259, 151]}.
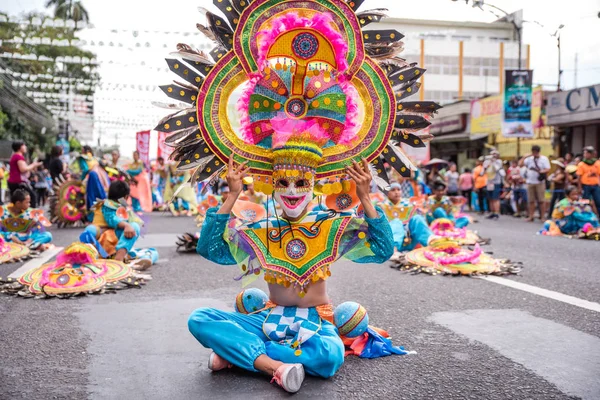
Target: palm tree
{"type": "Point", "coordinates": [69, 9]}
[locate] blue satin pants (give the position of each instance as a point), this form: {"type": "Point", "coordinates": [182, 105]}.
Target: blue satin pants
{"type": "Point", "coordinates": [239, 339]}
{"type": "Point", "coordinates": [418, 233]}
{"type": "Point", "coordinates": [90, 234]}
{"type": "Point", "coordinates": [36, 237]}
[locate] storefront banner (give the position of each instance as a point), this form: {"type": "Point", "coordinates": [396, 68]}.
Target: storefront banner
{"type": "Point", "coordinates": [486, 115]}
{"type": "Point", "coordinates": [575, 106]}
{"type": "Point", "coordinates": [142, 141]}
{"type": "Point", "coordinates": [516, 121]}
{"type": "Point", "coordinates": [163, 150]}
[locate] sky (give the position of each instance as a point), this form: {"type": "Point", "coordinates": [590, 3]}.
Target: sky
{"type": "Point", "coordinates": [125, 111]}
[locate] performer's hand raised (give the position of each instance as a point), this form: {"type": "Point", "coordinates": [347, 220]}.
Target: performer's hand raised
{"type": "Point", "coordinates": [361, 175]}
{"type": "Point", "coordinates": [235, 176]}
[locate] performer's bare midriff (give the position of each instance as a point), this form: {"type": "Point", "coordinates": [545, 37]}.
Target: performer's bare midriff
{"type": "Point", "coordinates": [316, 295]}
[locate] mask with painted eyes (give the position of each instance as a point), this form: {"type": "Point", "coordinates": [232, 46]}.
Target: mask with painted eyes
{"type": "Point", "coordinates": [293, 194]}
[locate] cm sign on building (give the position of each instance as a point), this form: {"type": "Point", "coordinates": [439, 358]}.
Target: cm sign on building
{"type": "Point", "coordinates": [575, 106]}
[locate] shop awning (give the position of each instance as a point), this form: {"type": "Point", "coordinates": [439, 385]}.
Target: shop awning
{"type": "Point", "coordinates": [459, 137]}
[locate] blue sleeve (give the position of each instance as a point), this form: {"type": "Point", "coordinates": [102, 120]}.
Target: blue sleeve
{"type": "Point", "coordinates": [111, 217]}
{"type": "Point", "coordinates": [211, 244]}
{"type": "Point", "coordinates": [381, 238]}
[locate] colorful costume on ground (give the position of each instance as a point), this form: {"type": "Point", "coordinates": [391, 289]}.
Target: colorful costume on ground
{"type": "Point", "coordinates": [28, 225]}
{"type": "Point", "coordinates": [409, 228]}
{"type": "Point", "coordinates": [76, 271]}
{"type": "Point", "coordinates": [573, 218]}
{"type": "Point", "coordinates": [12, 252]}
{"type": "Point", "coordinates": [445, 256]}
{"type": "Point", "coordinates": [104, 232]}
{"type": "Point", "coordinates": [308, 71]}
{"type": "Point", "coordinates": [444, 208]}
{"type": "Point", "coordinates": [141, 194]}
{"type": "Point", "coordinates": [445, 228]}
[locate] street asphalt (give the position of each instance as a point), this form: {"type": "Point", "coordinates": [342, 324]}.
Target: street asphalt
{"type": "Point", "coordinates": [475, 339]}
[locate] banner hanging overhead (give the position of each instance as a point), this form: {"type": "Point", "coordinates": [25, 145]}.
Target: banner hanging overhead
{"type": "Point", "coordinates": [516, 121]}
{"type": "Point", "coordinates": [164, 151]}
{"type": "Point", "coordinates": [142, 142]}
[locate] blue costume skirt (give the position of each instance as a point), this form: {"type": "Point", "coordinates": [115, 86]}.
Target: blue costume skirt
{"type": "Point", "coordinates": [94, 189]}
{"type": "Point", "coordinates": [576, 221]}
{"type": "Point", "coordinates": [241, 338]}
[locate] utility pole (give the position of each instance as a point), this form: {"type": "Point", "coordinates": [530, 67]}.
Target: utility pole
{"type": "Point", "coordinates": [559, 68]}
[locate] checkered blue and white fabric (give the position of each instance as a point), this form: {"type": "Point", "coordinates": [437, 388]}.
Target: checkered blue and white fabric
{"type": "Point", "coordinates": [291, 324]}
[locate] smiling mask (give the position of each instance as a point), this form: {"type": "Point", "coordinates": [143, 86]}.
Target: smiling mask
{"type": "Point", "coordinates": [297, 152]}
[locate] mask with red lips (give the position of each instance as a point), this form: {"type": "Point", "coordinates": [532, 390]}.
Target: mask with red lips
{"type": "Point", "coordinates": [293, 194]}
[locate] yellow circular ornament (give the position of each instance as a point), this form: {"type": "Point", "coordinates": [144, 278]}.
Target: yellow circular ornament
{"type": "Point", "coordinates": [346, 186]}
{"type": "Point", "coordinates": [267, 189]}
{"type": "Point", "coordinates": [247, 180]}
{"type": "Point", "coordinates": [327, 190]}
{"type": "Point", "coordinates": [336, 188]}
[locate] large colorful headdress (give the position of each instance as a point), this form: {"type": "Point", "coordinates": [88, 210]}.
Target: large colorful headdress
{"type": "Point", "coordinates": [294, 86]}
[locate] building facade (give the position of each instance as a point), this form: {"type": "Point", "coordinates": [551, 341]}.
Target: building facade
{"type": "Point", "coordinates": [464, 60]}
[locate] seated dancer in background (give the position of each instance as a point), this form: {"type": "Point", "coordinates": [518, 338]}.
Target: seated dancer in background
{"type": "Point", "coordinates": [572, 215]}
{"type": "Point", "coordinates": [141, 195]}
{"type": "Point", "coordinates": [440, 206]}
{"type": "Point", "coordinates": [114, 229]}
{"type": "Point", "coordinates": [409, 230]}
{"type": "Point", "coordinates": [180, 201]}
{"type": "Point", "coordinates": [95, 178]}
{"type": "Point", "coordinates": [20, 224]}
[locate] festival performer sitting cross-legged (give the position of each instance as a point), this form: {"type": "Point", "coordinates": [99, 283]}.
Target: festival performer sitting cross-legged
{"type": "Point", "coordinates": [572, 215]}
{"type": "Point", "coordinates": [440, 206]}
{"type": "Point", "coordinates": [114, 229]}
{"type": "Point", "coordinates": [296, 251]}
{"type": "Point", "coordinates": [21, 224]}
{"type": "Point", "coordinates": [409, 229]}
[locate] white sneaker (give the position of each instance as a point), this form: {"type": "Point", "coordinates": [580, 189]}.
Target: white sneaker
{"type": "Point", "coordinates": [289, 377]}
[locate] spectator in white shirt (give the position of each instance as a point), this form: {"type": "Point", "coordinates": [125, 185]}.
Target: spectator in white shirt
{"type": "Point", "coordinates": [538, 167]}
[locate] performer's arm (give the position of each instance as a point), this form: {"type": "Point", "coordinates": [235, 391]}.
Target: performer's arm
{"type": "Point", "coordinates": [211, 244]}
{"type": "Point", "coordinates": [380, 236]}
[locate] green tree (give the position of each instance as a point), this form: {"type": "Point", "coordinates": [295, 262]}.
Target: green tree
{"type": "Point", "coordinates": [69, 9]}
{"type": "Point", "coordinates": [17, 123]}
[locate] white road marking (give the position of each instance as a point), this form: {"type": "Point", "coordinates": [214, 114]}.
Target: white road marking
{"type": "Point", "coordinates": [35, 262]}
{"type": "Point", "coordinates": [157, 240]}
{"type": "Point", "coordinates": [564, 356]}
{"type": "Point", "coordinates": [574, 301]}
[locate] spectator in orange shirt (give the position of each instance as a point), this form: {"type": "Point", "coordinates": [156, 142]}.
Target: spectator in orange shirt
{"type": "Point", "coordinates": [588, 171]}
{"type": "Point", "coordinates": [480, 178]}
